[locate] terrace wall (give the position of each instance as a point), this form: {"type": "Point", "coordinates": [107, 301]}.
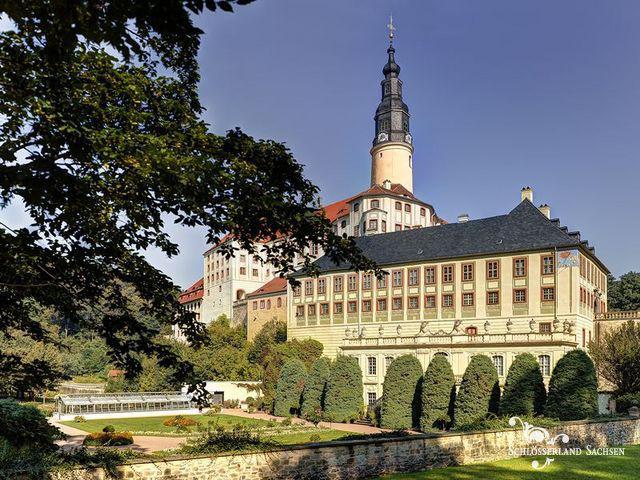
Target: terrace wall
{"type": "Point", "coordinates": [368, 458]}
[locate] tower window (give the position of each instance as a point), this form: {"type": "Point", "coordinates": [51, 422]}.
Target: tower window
{"type": "Point", "coordinates": [405, 124]}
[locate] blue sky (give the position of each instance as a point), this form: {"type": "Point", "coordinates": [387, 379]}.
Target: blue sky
{"type": "Point", "coordinates": [502, 94]}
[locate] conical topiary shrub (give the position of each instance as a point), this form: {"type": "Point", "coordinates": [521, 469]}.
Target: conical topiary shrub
{"type": "Point", "coordinates": [573, 388]}
{"type": "Point", "coordinates": [315, 389]}
{"type": "Point", "coordinates": [438, 395]}
{"type": "Point", "coordinates": [343, 401]}
{"type": "Point", "coordinates": [479, 392]}
{"type": "Point", "coordinates": [524, 392]}
{"type": "Point", "coordinates": [400, 407]}
{"type": "Point", "coordinates": [289, 388]}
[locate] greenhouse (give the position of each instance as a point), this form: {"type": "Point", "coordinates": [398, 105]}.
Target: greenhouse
{"type": "Point", "coordinates": [80, 404]}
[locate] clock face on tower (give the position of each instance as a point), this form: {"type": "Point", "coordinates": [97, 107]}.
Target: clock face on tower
{"type": "Point", "coordinates": [407, 138]}
{"type": "Point", "coordinates": [383, 137]}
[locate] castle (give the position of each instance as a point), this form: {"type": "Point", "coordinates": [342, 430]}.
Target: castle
{"type": "Point", "coordinates": [518, 282]}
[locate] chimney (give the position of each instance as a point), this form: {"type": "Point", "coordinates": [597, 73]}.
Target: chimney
{"type": "Point", "coordinates": [463, 218]}
{"type": "Point", "coordinates": [526, 192]}
{"type": "Point", "coordinates": [386, 184]}
{"type": "Point", "coordinates": [545, 210]}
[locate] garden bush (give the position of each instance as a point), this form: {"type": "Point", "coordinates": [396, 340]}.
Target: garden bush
{"type": "Point", "coordinates": [289, 388]}
{"type": "Point", "coordinates": [216, 440]}
{"type": "Point", "coordinates": [479, 393]}
{"type": "Point", "coordinates": [524, 392]}
{"type": "Point", "coordinates": [79, 419]}
{"type": "Point", "coordinates": [438, 395]}
{"type": "Point", "coordinates": [626, 401]}
{"type": "Point", "coordinates": [109, 429]}
{"type": "Point", "coordinates": [231, 403]}
{"type": "Point", "coordinates": [180, 421]}
{"type": "Point", "coordinates": [315, 389]}
{"type": "Point", "coordinates": [400, 409]}
{"type": "Point", "coordinates": [25, 426]}
{"type": "Point", "coordinates": [343, 401]}
{"type": "Point", "coordinates": [214, 409]}
{"type": "Point", "coordinates": [573, 388]}
{"type": "Point", "coordinates": [110, 439]}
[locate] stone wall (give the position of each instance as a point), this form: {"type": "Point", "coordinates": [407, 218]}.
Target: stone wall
{"type": "Point", "coordinates": [367, 458]}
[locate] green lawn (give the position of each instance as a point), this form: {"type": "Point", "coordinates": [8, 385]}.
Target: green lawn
{"type": "Point", "coordinates": [583, 467]}
{"type": "Point", "coordinates": [305, 437]}
{"type": "Point", "coordinates": [154, 424]}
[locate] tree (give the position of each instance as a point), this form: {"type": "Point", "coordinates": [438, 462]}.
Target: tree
{"type": "Point", "coordinates": [438, 394]}
{"type": "Point", "coordinates": [479, 392]}
{"type": "Point", "coordinates": [343, 402]}
{"type": "Point", "coordinates": [624, 293]}
{"type": "Point", "coordinates": [271, 333]}
{"type": "Point", "coordinates": [308, 351]}
{"type": "Point", "coordinates": [400, 409]}
{"type": "Point", "coordinates": [315, 389]}
{"type": "Point", "coordinates": [289, 388]}
{"type": "Point", "coordinates": [100, 164]}
{"type": "Point", "coordinates": [617, 357]}
{"type": "Point", "coordinates": [524, 392]}
{"type": "Point", "coordinates": [573, 388]}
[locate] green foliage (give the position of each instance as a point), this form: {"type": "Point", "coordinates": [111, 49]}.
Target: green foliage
{"type": "Point", "coordinates": [401, 400]}
{"type": "Point", "coordinates": [111, 439]}
{"type": "Point", "coordinates": [289, 388]}
{"type": "Point", "coordinates": [25, 426]}
{"type": "Point", "coordinates": [626, 401]}
{"type": "Point", "coordinates": [28, 365]}
{"type": "Point", "coordinates": [524, 392]}
{"type": "Point", "coordinates": [308, 351]}
{"type": "Point", "coordinates": [271, 333]}
{"type": "Point", "coordinates": [343, 401]}
{"type": "Point", "coordinates": [479, 393]}
{"type": "Point", "coordinates": [617, 357]}
{"type": "Point", "coordinates": [492, 422]}
{"type": "Point", "coordinates": [624, 293]}
{"type": "Point", "coordinates": [438, 394]}
{"type": "Point", "coordinates": [573, 388]}
{"type": "Point", "coordinates": [102, 163]}
{"type": "Point", "coordinates": [109, 429]}
{"type": "Point", "coordinates": [219, 440]}
{"type": "Point", "coordinates": [315, 389]}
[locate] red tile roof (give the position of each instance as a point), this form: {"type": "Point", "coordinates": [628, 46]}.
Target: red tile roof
{"type": "Point", "coordinates": [277, 285]}
{"type": "Point", "coordinates": [194, 292]}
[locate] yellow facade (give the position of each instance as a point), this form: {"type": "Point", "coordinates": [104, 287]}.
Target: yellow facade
{"type": "Point", "coordinates": [547, 320]}
{"type": "Point", "coordinates": [393, 162]}
{"type": "Point", "coordinates": [263, 309]}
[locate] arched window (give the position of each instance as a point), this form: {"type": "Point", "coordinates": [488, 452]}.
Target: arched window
{"type": "Point", "coordinates": [545, 365]}
{"type": "Point", "coordinates": [240, 294]}
{"type": "Point", "coordinates": [441, 354]}
{"type": "Point", "coordinates": [279, 302]}
{"type": "Point", "coordinates": [498, 362]}
{"type": "Point", "coordinates": [268, 304]}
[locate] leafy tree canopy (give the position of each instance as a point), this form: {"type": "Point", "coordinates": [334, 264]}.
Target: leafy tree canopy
{"type": "Point", "coordinates": [401, 394]}
{"type": "Point", "coordinates": [617, 357]}
{"type": "Point", "coordinates": [524, 392]}
{"type": "Point", "coordinates": [624, 293]}
{"type": "Point", "coordinates": [102, 149]}
{"type": "Point", "coordinates": [438, 394]}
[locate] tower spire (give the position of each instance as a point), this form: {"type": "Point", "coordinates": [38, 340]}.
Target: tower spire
{"type": "Point", "coordinates": [391, 154]}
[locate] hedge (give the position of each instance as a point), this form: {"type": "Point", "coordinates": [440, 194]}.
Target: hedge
{"type": "Point", "coordinates": [343, 402]}
{"type": "Point", "coordinates": [315, 389]}
{"type": "Point", "coordinates": [573, 388]}
{"type": "Point", "coordinates": [626, 401]}
{"type": "Point", "coordinates": [400, 409]}
{"type": "Point", "coordinates": [438, 394]}
{"type": "Point", "coordinates": [289, 388]}
{"type": "Point", "coordinates": [524, 392]}
{"type": "Point", "coordinates": [479, 392]}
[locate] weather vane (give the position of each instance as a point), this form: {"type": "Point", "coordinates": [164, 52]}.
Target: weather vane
{"type": "Point", "coordinates": [391, 29]}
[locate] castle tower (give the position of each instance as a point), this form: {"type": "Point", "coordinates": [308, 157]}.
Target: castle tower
{"type": "Point", "coordinates": [392, 151]}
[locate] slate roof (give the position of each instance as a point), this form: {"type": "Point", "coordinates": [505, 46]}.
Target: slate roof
{"type": "Point", "coordinates": [522, 229]}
